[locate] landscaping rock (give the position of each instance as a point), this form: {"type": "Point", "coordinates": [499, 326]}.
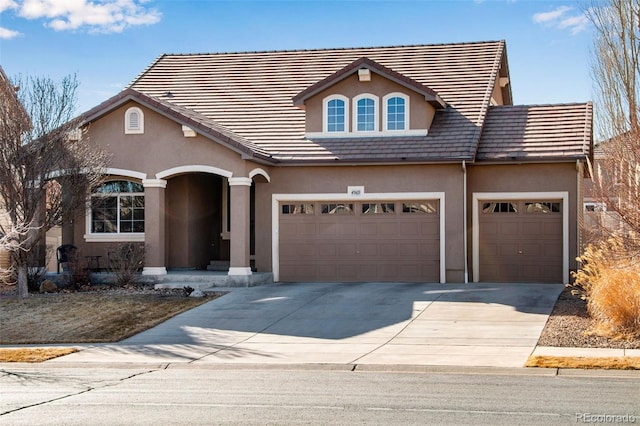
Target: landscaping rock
{"type": "Point", "coordinates": [48, 286]}
{"type": "Point", "coordinates": [197, 293]}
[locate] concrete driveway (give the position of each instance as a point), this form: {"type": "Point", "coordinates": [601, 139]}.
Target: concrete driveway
{"type": "Point", "coordinates": [364, 323]}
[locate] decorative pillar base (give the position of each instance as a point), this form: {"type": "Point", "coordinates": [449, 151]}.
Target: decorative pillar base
{"type": "Point", "coordinates": [154, 270]}
{"type": "Point", "coordinates": [240, 271]}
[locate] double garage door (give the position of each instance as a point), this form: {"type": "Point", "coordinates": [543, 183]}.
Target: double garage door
{"type": "Point", "coordinates": [520, 241]}
{"type": "Point", "coordinates": [360, 241]}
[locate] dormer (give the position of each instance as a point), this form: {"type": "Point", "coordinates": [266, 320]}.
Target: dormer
{"type": "Point", "coordinates": [367, 99]}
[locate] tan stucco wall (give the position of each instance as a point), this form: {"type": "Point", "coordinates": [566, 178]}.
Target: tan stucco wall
{"type": "Point", "coordinates": [421, 113]}
{"type": "Point", "coordinates": [375, 179]}
{"type": "Point", "coordinates": [522, 178]}
{"type": "Point", "coordinates": [161, 147]}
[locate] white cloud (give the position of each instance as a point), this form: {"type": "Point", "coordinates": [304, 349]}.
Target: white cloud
{"type": "Point", "coordinates": [563, 18]}
{"type": "Point", "coordinates": [107, 16]}
{"type": "Point", "coordinates": [7, 34]}
{"type": "Point", "coordinates": [7, 4]}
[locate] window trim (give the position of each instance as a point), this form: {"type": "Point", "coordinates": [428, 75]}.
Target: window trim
{"type": "Point", "coordinates": [376, 113]}
{"type": "Point", "coordinates": [385, 114]}
{"type": "Point", "coordinates": [325, 114]}
{"type": "Point", "coordinates": [128, 129]}
{"type": "Point", "coordinates": [97, 237]}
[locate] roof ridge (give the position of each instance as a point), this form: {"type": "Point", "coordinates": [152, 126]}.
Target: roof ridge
{"type": "Point", "coordinates": [326, 49]}
{"type": "Point", "coordinates": [539, 105]}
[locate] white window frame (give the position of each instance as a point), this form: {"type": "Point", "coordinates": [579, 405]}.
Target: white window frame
{"type": "Point", "coordinates": [97, 237]}
{"type": "Point", "coordinates": [376, 113]}
{"type": "Point", "coordinates": [385, 113]}
{"type": "Point", "coordinates": [128, 129]}
{"type": "Point", "coordinates": [325, 114]}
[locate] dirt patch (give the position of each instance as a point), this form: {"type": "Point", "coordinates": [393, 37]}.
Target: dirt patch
{"type": "Point", "coordinates": [569, 325]}
{"type": "Point", "coordinates": [605, 363]}
{"type": "Point", "coordinates": [99, 315]}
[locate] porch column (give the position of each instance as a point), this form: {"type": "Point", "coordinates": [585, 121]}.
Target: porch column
{"type": "Point", "coordinates": [154, 235]}
{"type": "Point", "coordinates": [240, 190]}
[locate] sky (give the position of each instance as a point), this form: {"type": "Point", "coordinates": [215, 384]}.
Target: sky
{"type": "Point", "coordinates": [107, 43]}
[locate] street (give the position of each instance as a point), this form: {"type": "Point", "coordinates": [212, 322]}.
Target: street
{"type": "Point", "coordinates": [183, 394]}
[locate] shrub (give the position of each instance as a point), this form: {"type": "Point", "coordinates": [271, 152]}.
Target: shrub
{"type": "Point", "coordinates": [126, 262]}
{"type": "Point", "coordinates": [609, 280]}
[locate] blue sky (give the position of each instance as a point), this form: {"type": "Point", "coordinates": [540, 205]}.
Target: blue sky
{"type": "Point", "coordinates": [108, 42]}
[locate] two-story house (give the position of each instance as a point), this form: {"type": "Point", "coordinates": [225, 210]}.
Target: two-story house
{"type": "Point", "coordinates": [402, 163]}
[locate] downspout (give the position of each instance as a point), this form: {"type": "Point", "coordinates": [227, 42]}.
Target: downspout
{"type": "Point", "coordinates": [464, 218]}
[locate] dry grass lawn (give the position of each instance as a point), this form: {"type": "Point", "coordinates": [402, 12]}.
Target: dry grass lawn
{"type": "Point", "coordinates": [33, 354]}
{"type": "Point", "coordinates": [606, 363]}
{"type": "Point", "coordinates": [87, 317]}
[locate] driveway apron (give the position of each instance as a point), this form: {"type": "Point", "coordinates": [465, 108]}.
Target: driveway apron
{"type": "Point", "coordinates": [494, 325]}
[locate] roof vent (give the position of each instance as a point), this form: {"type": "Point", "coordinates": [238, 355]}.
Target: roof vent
{"type": "Point", "coordinates": [364, 74]}
{"type": "Point", "coordinates": [169, 95]}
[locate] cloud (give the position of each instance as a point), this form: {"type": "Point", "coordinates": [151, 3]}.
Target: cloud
{"type": "Point", "coordinates": [7, 34]}
{"type": "Point", "coordinates": [563, 18]}
{"type": "Point", "coordinates": [101, 16]}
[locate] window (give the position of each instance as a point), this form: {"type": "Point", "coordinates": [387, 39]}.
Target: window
{"type": "Point", "coordinates": [396, 111]}
{"type": "Point", "coordinates": [117, 207]}
{"type": "Point", "coordinates": [378, 208]}
{"type": "Point", "coordinates": [365, 113]}
{"type": "Point", "coordinates": [420, 207]}
{"type": "Point", "coordinates": [336, 116]}
{"type": "Point", "coordinates": [542, 207]}
{"type": "Point", "coordinates": [499, 208]}
{"type": "Point", "coordinates": [297, 209]}
{"type": "Point", "coordinates": [133, 121]}
{"type": "Point", "coordinates": [595, 207]}
{"type": "Point", "coordinates": [337, 208]}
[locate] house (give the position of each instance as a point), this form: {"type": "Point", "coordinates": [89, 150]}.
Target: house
{"type": "Point", "coordinates": [401, 163]}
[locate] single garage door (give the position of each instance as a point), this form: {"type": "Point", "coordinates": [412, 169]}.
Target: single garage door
{"type": "Point", "coordinates": [520, 241]}
{"type": "Point", "coordinates": [360, 241]}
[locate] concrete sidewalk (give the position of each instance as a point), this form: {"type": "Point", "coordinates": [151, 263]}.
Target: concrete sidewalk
{"type": "Point", "coordinates": [494, 325]}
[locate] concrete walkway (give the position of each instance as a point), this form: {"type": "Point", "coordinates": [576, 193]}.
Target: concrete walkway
{"type": "Point", "coordinates": [494, 325]}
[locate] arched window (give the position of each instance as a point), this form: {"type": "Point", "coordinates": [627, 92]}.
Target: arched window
{"type": "Point", "coordinates": [133, 121]}
{"type": "Point", "coordinates": [366, 113]}
{"type": "Point", "coordinates": [117, 207]}
{"type": "Point", "coordinates": [336, 117]}
{"type": "Point", "coordinates": [396, 112]}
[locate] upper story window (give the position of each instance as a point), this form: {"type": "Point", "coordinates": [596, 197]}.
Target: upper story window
{"type": "Point", "coordinates": [396, 112]}
{"type": "Point", "coordinates": [117, 207]}
{"type": "Point", "coordinates": [365, 113]}
{"type": "Point", "coordinates": [336, 117]}
{"type": "Point", "coordinates": [133, 121]}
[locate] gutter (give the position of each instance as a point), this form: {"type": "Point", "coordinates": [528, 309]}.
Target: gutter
{"type": "Point", "coordinates": [465, 225]}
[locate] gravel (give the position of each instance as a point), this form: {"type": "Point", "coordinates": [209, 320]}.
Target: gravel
{"type": "Point", "coordinates": [569, 325]}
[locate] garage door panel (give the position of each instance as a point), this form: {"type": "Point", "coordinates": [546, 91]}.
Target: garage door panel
{"type": "Point", "coordinates": [524, 245]}
{"type": "Point", "coordinates": [384, 246]}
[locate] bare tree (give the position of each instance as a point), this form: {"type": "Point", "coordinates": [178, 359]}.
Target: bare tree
{"type": "Point", "coordinates": [47, 167]}
{"type": "Point", "coordinates": [616, 75]}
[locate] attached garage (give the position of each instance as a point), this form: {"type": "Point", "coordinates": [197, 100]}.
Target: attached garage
{"type": "Point", "coordinates": [520, 240]}
{"type": "Point", "coordinates": [351, 241]}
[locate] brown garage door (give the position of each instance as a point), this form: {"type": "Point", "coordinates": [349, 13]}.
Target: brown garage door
{"type": "Point", "coordinates": [520, 241]}
{"type": "Point", "coordinates": [360, 241]}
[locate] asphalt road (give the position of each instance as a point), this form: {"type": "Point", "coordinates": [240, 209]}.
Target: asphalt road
{"type": "Point", "coordinates": [311, 395]}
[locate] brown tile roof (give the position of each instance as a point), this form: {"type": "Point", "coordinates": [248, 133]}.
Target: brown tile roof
{"type": "Point", "coordinates": [250, 94]}
{"type": "Point", "coordinates": [536, 132]}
